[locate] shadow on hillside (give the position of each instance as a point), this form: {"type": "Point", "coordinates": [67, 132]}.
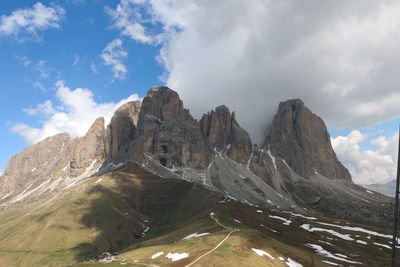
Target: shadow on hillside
{"type": "Point", "coordinates": [120, 214]}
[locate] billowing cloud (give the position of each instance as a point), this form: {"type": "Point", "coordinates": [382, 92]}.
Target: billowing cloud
{"type": "Point", "coordinates": [113, 55]}
{"type": "Point", "coordinates": [368, 166]}
{"type": "Point", "coordinates": [127, 18]}
{"type": "Point", "coordinates": [75, 114]}
{"type": "Point", "coordinates": [340, 57]}
{"type": "Point", "coordinates": [30, 22]}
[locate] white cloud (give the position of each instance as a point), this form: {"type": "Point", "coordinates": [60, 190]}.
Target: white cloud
{"type": "Point", "coordinates": [341, 57]}
{"type": "Point", "coordinates": [43, 68]}
{"type": "Point", "coordinates": [40, 86]}
{"type": "Point", "coordinates": [75, 114]}
{"type": "Point", "coordinates": [128, 19]}
{"type": "Point", "coordinates": [31, 21]}
{"type": "Point", "coordinates": [368, 166]}
{"type": "Point", "coordinates": [113, 55]}
{"type": "Point", "coordinates": [93, 67]}
{"type": "Point", "coordinates": [45, 108]}
{"type": "Point", "coordinates": [23, 60]}
{"type": "Point", "coordinates": [76, 60]}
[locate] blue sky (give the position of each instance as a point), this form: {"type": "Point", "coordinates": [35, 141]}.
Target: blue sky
{"type": "Point", "coordinates": [84, 32]}
{"type": "Point", "coordinates": [65, 62]}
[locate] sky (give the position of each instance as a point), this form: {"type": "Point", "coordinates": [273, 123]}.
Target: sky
{"type": "Point", "coordinates": [65, 63]}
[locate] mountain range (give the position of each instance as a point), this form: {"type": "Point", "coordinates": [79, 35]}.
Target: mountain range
{"type": "Point", "coordinates": [154, 173]}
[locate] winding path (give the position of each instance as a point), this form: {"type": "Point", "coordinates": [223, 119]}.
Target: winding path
{"type": "Point", "coordinates": [219, 244]}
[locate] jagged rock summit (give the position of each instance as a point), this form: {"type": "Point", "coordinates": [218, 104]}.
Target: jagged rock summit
{"type": "Point", "coordinates": [54, 163]}
{"type": "Point", "coordinates": [121, 131]}
{"type": "Point", "coordinates": [168, 132]}
{"type": "Point", "coordinates": [302, 139]}
{"type": "Point", "coordinates": [221, 131]}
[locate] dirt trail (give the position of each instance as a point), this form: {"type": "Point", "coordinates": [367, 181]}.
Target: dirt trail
{"type": "Point", "coordinates": [219, 244]}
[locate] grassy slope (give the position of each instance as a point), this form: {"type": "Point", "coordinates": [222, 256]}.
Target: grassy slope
{"type": "Point", "coordinates": [82, 222]}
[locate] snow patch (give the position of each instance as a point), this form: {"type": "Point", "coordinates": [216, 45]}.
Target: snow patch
{"type": "Point", "coordinates": [176, 256]}
{"type": "Point", "coordinates": [310, 229]}
{"type": "Point", "coordinates": [194, 235]}
{"type": "Point", "coordinates": [272, 158]}
{"type": "Point", "coordinates": [324, 253]}
{"type": "Point", "coordinates": [158, 254]}
{"type": "Point", "coordinates": [300, 215]}
{"type": "Point", "coordinates": [331, 263]}
{"type": "Point", "coordinates": [260, 252]}
{"type": "Point", "coordinates": [284, 162]}
{"type": "Point", "coordinates": [361, 242]}
{"type": "Point", "coordinates": [99, 180]}
{"type": "Point", "coordinates": [272, 230]}
{"type": "Point", "coordinates": [285, 221]}
{"type": "Point", "coordinates": [292, 263]}
{"type": "Point", "coordinates": [237, 221]}
{"type": "Point", "coordinates": [359, 229]}
{"type": "Point", "coordinates": [259, 211]}
{"type": "Point", "coordinates": [382, 245]}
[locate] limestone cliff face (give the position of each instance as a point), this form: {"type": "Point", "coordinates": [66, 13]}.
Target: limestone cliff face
{"type": "Point", "coordinates": [121, 131]}
{"type": "Point", "coordinates": [168, 132]}
{"type": "Point", "coordinates": [221, 131]}
{"type": "Point", "coordinates": [55, 157]}
{"type": "Point", "coordinates": [87, 149]}
{"type": "Point", "coordinates": [35, 161]}
{"type": "Point", "coordinates": [301, 138]}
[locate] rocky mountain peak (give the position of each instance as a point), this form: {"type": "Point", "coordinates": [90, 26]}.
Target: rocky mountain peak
{"type": "Point", "coordinates": [221, 131]}
{"type": "Point", "coordinates": [302, 139]}
{"type": "Point", "coordinates": [168, 132]}
{"type": "Point", "coordinates": [162, 103]}
{"type": "Point", "coordinates": [121, 131]}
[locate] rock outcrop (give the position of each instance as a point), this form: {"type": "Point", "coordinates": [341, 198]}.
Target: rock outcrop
{"type": "Point", "coordinates": [121, 131]}
{"type": "Point", "coordinates": [55, 158]}
{"type": "Point", "coordinates": [168, 132]}
{"type": "Point", "coordinates": [221, 131]}
{"type": "Point", "coordinates": [301, 138]}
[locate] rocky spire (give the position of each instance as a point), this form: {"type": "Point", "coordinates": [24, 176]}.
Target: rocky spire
{"type": "Point", "coordinates": [221, 131]}
{"type": "Point", "coordinates": [168, 132]}
{"type": "Point", "coordinates": [301, 138]}
{"type": "Point", "coordinates": [121, 131]}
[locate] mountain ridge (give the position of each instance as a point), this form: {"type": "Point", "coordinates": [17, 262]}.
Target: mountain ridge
{"type": "Point", "coordinates": [295, 168]}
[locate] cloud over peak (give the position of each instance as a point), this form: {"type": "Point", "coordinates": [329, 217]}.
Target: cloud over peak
{"type": "Point", "coordinates": [75, 114]}
{"type": "Point", "coordinates": [340, 57]}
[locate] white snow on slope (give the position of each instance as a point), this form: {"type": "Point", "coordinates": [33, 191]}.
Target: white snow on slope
{"type": "Point", "coordinates": [158, 254]}
{"type": "Point", "coordinates": [194, 235]}
{"type": "Point", "coordinates": [310, 229]}
{"type": "Point", "coordinates": [331, 263]}
{"type": "Point", "coordinates": [176, 256]}
{"type": "Point", "coordinates": [300, 215]}
{"type": "Point", "coordinates": [285, 221]}
{"type": "Point", "coordinates": [262, 253]}
{"type": "Point", "coordinates": [361, 242]}
{"type": "Point", "coordinates": [272, 158]}
{"type": "Point", "coordinates": [321, 251]}
{"type": "Point", "coordinates": [382, 245]}
{"type": "Point", "coordinates": [359, 229]}
{"type": "Point", "coordinates": [292, 263]}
